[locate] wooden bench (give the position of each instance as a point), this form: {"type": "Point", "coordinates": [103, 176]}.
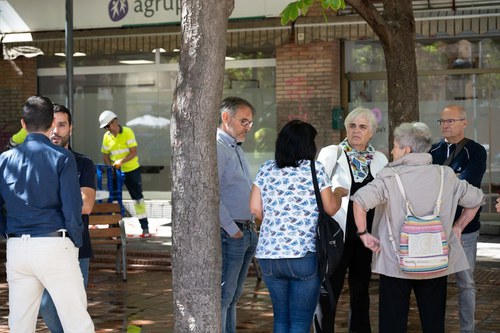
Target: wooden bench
{"type": "Point", "coordinates": [107, 228]}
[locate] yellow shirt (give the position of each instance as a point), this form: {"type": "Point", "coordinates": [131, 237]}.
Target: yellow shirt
{"type": "Point", "coordinates": [19, 137]}
{"type": "Point", "coordinates": [117, 147]}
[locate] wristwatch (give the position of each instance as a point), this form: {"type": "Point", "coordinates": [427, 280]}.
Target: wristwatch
{"type": "Point", "coordinates": [362, 232]}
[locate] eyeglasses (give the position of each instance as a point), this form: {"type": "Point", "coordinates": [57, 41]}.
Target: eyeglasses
{"type": "Point", "coordinates": [244, 122]}
{"type": "Point", "coordinates": [448, 121]}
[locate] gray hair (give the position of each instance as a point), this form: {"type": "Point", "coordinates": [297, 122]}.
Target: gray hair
{"type": "Point", "coordinates": [231, 105]}
{"type": "Point", "coordinates": [415, 135]}
{"type": "Point", "coordinates": [362, 112]}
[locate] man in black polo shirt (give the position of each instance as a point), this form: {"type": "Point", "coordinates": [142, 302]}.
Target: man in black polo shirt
{"type": "Point", "coordinates": [468, 159]}
{"type": "Point", "coordinates": [60, 136]}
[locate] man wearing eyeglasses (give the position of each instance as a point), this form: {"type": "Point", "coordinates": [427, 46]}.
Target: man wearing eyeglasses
{"type": "Point", "coordinates": [238, 235]}
{"type": "Point", "coordinates": [468, 159]}
{"type": "Point", "coordinates": [119, 149]}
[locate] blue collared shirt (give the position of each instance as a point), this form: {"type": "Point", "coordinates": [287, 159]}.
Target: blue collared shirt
{"type": "Point", "coordinates": [40, 190]}
{"type": "Point", "coordinates": [235, 183]}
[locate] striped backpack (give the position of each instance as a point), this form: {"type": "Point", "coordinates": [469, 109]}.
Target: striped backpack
{"type": "Point", "coordinates": [423, 247]}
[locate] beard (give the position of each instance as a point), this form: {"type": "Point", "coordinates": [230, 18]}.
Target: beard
{"type": "Point", "coordinates": [60, 140]}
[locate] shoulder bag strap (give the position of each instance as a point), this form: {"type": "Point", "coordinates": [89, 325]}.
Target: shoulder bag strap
{"type": "Point", "coordinates": [316, 187]}
{"type": "Point", "coordinates": [339, 152]}
{"type": "Point", "coordinates": [457, 150]}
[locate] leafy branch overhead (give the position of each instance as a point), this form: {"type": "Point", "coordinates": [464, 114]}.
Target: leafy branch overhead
{"type": "Point", "coordinates": [301, 7]}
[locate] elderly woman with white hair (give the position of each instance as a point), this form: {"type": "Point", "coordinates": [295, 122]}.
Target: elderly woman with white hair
{"type": "Point", "coordinates": [422, 183]}
{"type": "Point", "coordinates": [352, 164]}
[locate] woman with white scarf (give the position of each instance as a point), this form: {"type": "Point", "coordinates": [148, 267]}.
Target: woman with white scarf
{"type": "Point", "coordinates": [352, 164]}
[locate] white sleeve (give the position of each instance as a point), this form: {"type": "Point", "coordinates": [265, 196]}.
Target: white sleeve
{"type": "Point", "coordinates": [328, 157]}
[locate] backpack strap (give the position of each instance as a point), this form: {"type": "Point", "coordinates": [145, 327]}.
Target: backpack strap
{"type": "Point", "coordinates": [438, 201]}
{"type": "Point", "coordinates": [409, 209]}
{"type": "Point", "coordinates": [391, 236]}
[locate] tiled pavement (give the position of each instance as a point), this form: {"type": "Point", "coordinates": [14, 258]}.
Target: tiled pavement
{"type": "Point", "coordinates": [144, 303]}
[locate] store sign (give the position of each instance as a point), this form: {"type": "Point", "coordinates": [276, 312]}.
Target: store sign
{"type": "Point", "coordinates": [24, 15]}
{"type": "Point", "coordinates": [118, 9]}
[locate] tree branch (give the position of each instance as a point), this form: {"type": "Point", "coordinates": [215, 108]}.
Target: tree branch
{"type": "Point", "coordinates": [374, 19]}
{"type": "Point", "coordinates": [229, 7]}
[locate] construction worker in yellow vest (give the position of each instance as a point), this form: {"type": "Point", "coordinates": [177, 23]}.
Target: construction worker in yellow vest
{"type": "Point", "coordinates": [17, 138]}
{"type": "Point", "coordinates": [119, 149]}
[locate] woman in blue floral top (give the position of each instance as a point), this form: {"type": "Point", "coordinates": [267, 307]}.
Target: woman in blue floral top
{"type": "Point", "coordinates": [283, 198]}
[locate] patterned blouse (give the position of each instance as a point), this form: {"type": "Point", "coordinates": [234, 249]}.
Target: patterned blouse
{"type": "Point", "coordinates": [290, 210]}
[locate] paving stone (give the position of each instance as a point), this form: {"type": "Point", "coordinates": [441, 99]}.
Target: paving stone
{"type": "Point", "coordinates": [144, 302]}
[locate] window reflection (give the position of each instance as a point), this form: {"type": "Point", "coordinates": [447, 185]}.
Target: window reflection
{"type": "Point", "coordinates": [449, 73]}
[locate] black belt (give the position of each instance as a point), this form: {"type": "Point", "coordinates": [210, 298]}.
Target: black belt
{"type": "Point", "coordinates": [49, 234]}
{"type": "Point", "coordinates": [244, 223]}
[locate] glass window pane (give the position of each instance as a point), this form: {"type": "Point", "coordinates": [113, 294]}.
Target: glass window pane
{"type": "Point", "coordinates": [143, 102]}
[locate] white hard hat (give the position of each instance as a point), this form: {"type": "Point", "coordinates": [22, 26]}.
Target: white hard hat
{"type": "Point", "coordinates": [106, 117]}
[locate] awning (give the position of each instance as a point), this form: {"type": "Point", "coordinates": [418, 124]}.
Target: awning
{"type": "Point", "coordinates": [430, 25]}
{"type": "Point", "coordinates": [52, 43]}
{"type": "Point", "coordinates": [441, 24]}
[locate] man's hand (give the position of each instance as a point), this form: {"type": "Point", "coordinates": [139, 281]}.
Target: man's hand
{"type": "Point", "coordinates": [118, 163]}
{"type": "Point", "coordinates": [237, 235]}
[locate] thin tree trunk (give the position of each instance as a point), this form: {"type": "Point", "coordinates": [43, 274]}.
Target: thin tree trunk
{"type": "Point", "coordinates": [401, 64]}
{"type": "Point", "coordinates": [395, 27]}
{"type": "Point", "coordinates": [196, 248]}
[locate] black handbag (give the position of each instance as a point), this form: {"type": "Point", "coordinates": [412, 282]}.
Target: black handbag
{"type": "Point", "coordinates": [329, 242]}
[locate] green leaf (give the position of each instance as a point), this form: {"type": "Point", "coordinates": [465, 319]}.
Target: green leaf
{"type": "Point", "coordinates": [326, 3]}
{"type": "Point", "coordinates": [285, 14]}
{"type": "Point", "coordinates": [294, 12]}
{"type": "Point", "coordinates": [308, 3]}
{"type": "Point", "coordinates": [304, 10]}
{"type": "Point", "coordinates": [337, 4]}
{"type": "Point", "coordinates": [284, 19]}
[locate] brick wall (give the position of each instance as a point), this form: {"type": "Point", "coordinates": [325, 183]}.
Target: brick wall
{"type": "Point", "coordinates": [308, 86]}
{"type": "Point", "coordinates": [18, 82]}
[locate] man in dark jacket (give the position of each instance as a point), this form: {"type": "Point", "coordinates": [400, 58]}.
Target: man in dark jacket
{"type": "Point", "coordinates": [468, 159]}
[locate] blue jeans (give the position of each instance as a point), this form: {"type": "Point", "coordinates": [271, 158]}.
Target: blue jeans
{"type": "Point", "coordinates": [466, 284]}
{"type": "Point", "coordinates": [237, 255]}
{"type": "Point", "coordinates": [47, 307]}
{"type": "Point", "coordinates": [294, 286]}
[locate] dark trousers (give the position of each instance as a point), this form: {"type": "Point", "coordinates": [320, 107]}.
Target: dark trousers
{"type": "Point", "coordinates": [133, 181]}
{"type": "Point", "coordinates": [394, 299]}
{"type": "Point", "coordinates": [357, 260]}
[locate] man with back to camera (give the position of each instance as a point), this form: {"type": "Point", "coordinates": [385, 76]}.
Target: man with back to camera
{"type": "Point", "coordinates": [468, 159]}
{"type": "Point", "coordinates": [238, 235]}
{"type": "Point", "coordinates": [42, 222]}
{"type": "Point", "coordinates": [119, 149]}
{"type": "Point", "coordinates": [60, 136]}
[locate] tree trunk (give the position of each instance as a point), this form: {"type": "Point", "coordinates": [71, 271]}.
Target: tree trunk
{"type": "Point", "coordinates": [395, 28]}
{"type": "Point", "coordinates": [196, 248]}
{"type": "Point", "coordinates": [401, 64]}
